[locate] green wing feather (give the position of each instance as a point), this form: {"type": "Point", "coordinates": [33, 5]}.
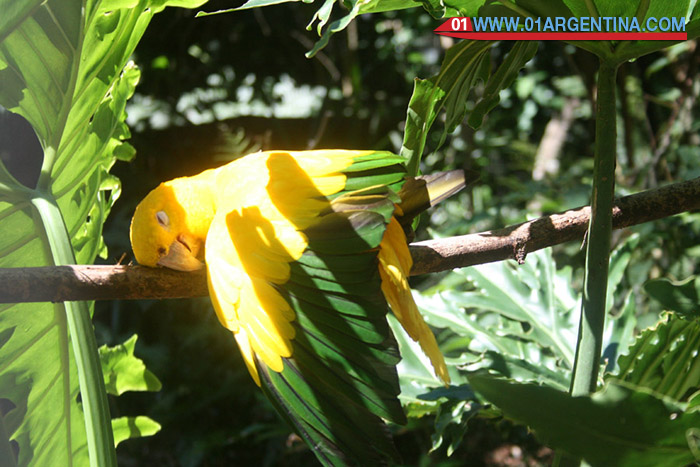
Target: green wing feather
{"type": "Point", "coordinates": [340, 384]}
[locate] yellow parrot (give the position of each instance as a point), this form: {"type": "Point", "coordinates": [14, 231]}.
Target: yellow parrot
{"type": "Point", "coordinates": [304, 251]}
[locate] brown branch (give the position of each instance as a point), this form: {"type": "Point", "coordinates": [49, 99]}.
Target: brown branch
{"type": "Point", "coordinates": [516, 241]}
{"type": "Point", "coordinates": [79, 282]}
{"type": "Point", "coordinates": [62, 283]}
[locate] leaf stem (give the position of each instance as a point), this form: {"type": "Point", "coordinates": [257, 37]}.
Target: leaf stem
{"type": "Point", "coordinates": [98, 425]}
{"type": "Point", "coordinates": [590, 336]}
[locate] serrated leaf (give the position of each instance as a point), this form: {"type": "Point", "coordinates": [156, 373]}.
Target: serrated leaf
{"type": "Point", "coordinates": [664, 359]}
{"type": "Point", "coordinates": [62, 67]}
{"type": "Point", "coordinates": [526, 295]}
{"type": "Point", "coordinates": [621, 425]}
{"type": "Point", "coordinates": [123, 371]}
{"type": "Point", "coordinates": [133, 427]}
{"type": "Point", "coordinates": [522, 318]}
{"type": "Point", "coordinates": [520, 322]}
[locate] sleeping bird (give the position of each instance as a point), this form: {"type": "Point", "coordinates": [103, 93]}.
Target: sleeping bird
{"type": "Point", "coordinates": [305, 253]}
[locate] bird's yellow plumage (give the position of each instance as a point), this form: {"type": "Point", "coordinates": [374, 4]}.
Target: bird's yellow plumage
{"type": "Point", "coordinates": [395, 263]}
{"type": "Point", "coordinates": [264, 201]}
{"type": "Point", "coordinates": [251, 214]}
{"type": "Point", "coordinates": [287, 239]}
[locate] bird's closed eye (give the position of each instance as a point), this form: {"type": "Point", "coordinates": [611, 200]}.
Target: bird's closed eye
{"type": "Point", "coordinates": [162, 219]}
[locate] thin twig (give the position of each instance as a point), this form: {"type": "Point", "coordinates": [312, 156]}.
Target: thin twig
{"type": "Point", "coordinates": [64, 283]}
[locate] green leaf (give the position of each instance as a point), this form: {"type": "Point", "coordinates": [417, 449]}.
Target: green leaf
{"type": "Point", "coordinates": [379, 6]}
{"type": "Point", "coordinates": [63, 67]}
{"type": "Point", "coordinates": [502, 78]}
{"type": "Point", "coordinates": [421, 113]}
{"type": "Point", "coordinates": [682, 297]}
{"type": "Point", "coordinates": [125, 372]}
{"type": "Point", "coordinates": [31, 333]}
{"type": "Point", "coordinates": [323, 14]}
{"type": "Point", "coordinates": [462, 65]}
{"type": "Point", "coordinates": [336, 26]}
{"type": "Point", "coordinates": [451, 422]}
{"type": "Point", "coordinates": [663, 359]}
{"type": "Point", "coordinates": [133, 427]}
{"type": "Point", "coordinates": [416, 374]}
{"type": "Point", "coordinates": [246, 6]}
{"type": "Point", "coordinates": [518, 310]}
{"type": "Point", "coordinates": [516, 320]}
{"type": "Point", "coordinates": [14, 14]}
{"type": "Point", "coordinates": [621, 425]}
{"type": "Point", "coordinates": [478, 326]}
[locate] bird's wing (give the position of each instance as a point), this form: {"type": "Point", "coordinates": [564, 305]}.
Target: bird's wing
{"type": "Point", "coordinates": [292, 262]}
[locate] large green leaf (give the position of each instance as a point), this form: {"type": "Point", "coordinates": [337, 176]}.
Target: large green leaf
{"type": "Point", "coordinates": [63, 66]}
{"type": "Point", "coordinates": [522, 318]}
{"type": "Point", "coordinates": [521, 314]}
{"type": "Point", "coordinates": [621, 425]}
{"type": "Point", "coordinates": [516, 320]}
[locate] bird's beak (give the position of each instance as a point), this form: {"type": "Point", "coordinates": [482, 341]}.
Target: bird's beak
{"type": "Point", "coordinates": [180, 258]}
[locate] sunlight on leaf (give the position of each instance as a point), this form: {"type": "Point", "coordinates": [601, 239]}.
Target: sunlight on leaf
{"type": "Point", "coordinates": [133, 427]}
{"type": "Point", "coordinates": [62, 67]}
{"type": "Point", "coordinates": [125, 372]}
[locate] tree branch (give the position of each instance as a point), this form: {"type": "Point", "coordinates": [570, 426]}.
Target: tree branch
{"type": "Point", "coordinates": [516, 241]}
{"type": "Point", "coordinates": [77, 282]}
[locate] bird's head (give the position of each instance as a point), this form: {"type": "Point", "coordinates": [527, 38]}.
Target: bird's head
{"type": "Point", "coordinates": [169, 227]}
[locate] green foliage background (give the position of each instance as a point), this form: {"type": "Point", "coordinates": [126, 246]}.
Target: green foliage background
{"type": "Point", "coordinates": [518, 323]}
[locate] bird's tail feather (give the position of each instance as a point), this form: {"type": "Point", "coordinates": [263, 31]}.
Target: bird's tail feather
{"type": "Point", "coordinates": [420, 193]}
